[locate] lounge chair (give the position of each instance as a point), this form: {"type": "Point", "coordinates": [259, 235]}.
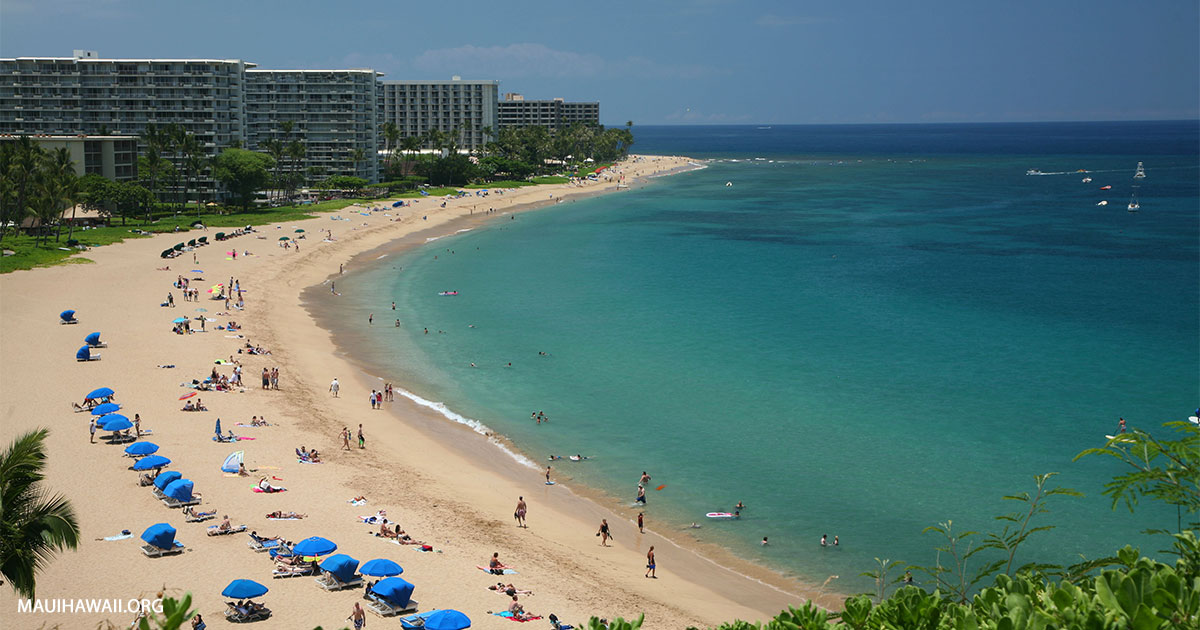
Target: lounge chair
{"type": "Point", "coordinates": [85, 354]}
{"type": "Point", "coordinates": [67, 317]}
{"type": "Point", "coordinates": [384, 608]}
{"type": "Point", "coordinates": [308, 568]}
{"type": "Point", "coordinates": [200, 517]}
{"type": "Point", "coordinates": [172, 502]}
{"type": "Point", "coordinates": [215, 530]}
{"type": "Point", "coordinates": [260, 545]}
{"type": "Point", "coordinates": [242, 614]}
{"type": "Point", "coordinates": [281, 551]}
{"type": "Point", "coordinates": [415, 622]}
{"type": "Point", "coordinates": [153, 551]}
{"type": "Point", "coordinates": [330, 582]}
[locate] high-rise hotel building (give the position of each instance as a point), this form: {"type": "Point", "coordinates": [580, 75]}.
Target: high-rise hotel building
{"type": "Point", "coordinates": [517, 111]}
{"type": "Point", "coordinates": [333, 113]}
{"type": "Point", "coordinates": [463, 108]}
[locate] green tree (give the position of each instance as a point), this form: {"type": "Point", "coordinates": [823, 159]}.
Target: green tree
{"type": "Point", "coordinates": [34, 524]}
{"type": "Point", "coordinates": [391, 136]}
{"type": "Point", "coordinates": [243, 173]}
{"type": "Point", "coordinates": [22, 162]}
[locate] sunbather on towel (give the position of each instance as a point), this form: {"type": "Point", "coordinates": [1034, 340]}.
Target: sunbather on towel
{"type": "Point", "coordinates": [266, 486]}
{"type": "Point", "coordinates": [188, 511]}
{"type": "Point", "coordinates": [263, 539]}
{"type": "Point", "coordinates": [518, 611]}
{"type": "Point", "coordinates": [279, 514]}
{"type": "Point", "coordinates": [508, 589]}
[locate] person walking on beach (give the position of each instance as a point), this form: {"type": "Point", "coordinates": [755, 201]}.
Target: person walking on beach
{"type": "Point", "coordinates": [275, 378]}
{"type": "Point", "coordinates": [548, 476]}
{"type": "Point", "coordinates": [372, 399]}
{"type": "Point", "coordinates": [92, 428]}
{"type": "Point", "coordinates": [345, 438]}
{"type": "Point", "coordinates": [603, 533]}
{"type": "Point", "coordinates": [650, 566]}
{"type": "Point", "coordinates": [266, 379]}
{"type": "Point", "coordinates": [519, 514]}
{"type": "Point", "coordinates": [334, 387]}
{"type": "Point", "coordinates": [642, 522]}
{"type": "Point", "coordinates": [362, 441]}
{"type": "Point", "coordinates": [371, 318]}
{"type": "Point", "coordinates": [137, 424]}
{"type": "Point", "coordinates": [358, 617]}
{"type": "Point", "coordinates": [171, 299]}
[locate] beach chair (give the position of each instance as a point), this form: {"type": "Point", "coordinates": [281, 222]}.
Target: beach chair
{"type": "Point", "coordinates": [281, 551]}
{"type": "Point", "coordinates": [93, 341]}
{"type": "Point", "coordinates": [85, 354]}
{"type": "Point", "coordinates": [330, 582]}
{"type": "Point", "coordinates": [179, 494]}
{"type": "Point", "coordinates": [242, 614]}
{"type": "Point", "coordinates": [415, 622]}
{"type": "Point", "coordinates": [153, 551]}
{"type": "Point", "coordinates": [308, 568]}
{"type": "Point", "coordinates": [215, 530]}
{"type": "Point", "coordinates": [384, 608]}
{"type": "Point", "coordinates": [391, 597]}
{"type": "Point", "coordinates": [67, 317]}
{"type": "Point", "coordinates": [172, 502]}
{"type": "Point", "coordinates": [260, 546]}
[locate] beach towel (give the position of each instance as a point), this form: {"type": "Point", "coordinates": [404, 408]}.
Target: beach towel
{"type": "Point", "coordinates": [360, 502]}
{"type": "Point", "coordinates": [305, 461]}
{"type": "Point", "coordinates": [425, 549]}
{"type": "Point", "coordinates": [487, 570]}
{"type": "Point", "coordinates": [511, 617]}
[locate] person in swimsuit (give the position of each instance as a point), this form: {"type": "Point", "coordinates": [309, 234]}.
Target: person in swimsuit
{"type": "Point", "coordinates": [603, 533]}
{"type": "Point", "coordinates": [641, 497]}
{"type": "Point", "coordinates": [519, 514]}
{"type": "Point", "coordinates": [650, 566]}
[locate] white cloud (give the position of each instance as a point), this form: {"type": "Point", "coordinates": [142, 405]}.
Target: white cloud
{"type": "Point", "coordinates": [530, 60]}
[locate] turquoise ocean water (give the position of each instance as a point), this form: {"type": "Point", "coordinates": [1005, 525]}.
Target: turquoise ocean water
{"type": "Point", "coordinates": [875, 329]}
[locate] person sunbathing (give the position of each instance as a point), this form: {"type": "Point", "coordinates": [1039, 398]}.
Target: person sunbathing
{"type": "Point", "coordinates": [256, 422]}
{"type": "Point", "coordinates": [508, 589]}
{"type": "Point", "coordinates": [518, 611]}
{"type": "Point", "coordinates": [242, 472]}
{"type": "Point", "coordinates": [495, 566]}
{"type": "Point", "coordinates": [279, 514]}
{"type": "Point", "coordinates": [188, 511]}
{"type": "Point", "coordinates": [386, 531]}
{"type": "Point", "coordinates": [262, 539]}
{"type": "Point", "coordinates": [147, 479]}
{"type": "Point", "coordinates": [200, 405]}
{"type": "Point", "coordinates": [314, 456]}
{"type": "Point", "coordinates": [266, 486]}
{"type": "Point", "coordinates": [188, 406]}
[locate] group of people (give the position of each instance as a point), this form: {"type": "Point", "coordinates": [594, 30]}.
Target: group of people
{"type": "Point", "coordinates": [194, 406]}
{"type": "Point", "coordinates": [307, 456]}
{"type": "Point", "coordinates": [539, 417]}
{"type": "Point", "coordinates": [398, 534]}
{"type": "Point", "coordinates": [270, 378]}
{"type": "Point", "coordinates": [345, 435]}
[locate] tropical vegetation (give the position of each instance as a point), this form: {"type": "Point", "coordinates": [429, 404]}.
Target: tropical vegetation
{"type": "Point", "coordinates": [35, 523]}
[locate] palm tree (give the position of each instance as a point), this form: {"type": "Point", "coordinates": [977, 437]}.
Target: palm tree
{"type": "Point", "coordinates": [153, 139]}
{"type": "Point", "coordinates": [391, 134]}
{"type": "Point", "coordinates": [295, 152]}
{"type": "Point", "coordinates": [66, 187]}
{"type": "Point", "coordinates": [34, 525]}
{"type": "Point", "coordinates": [274, 147]}
{"type": "Point", "coordinates": [20, 175]}
{"type": "Point", "coordinates": [356, 157]}
{"type": "Point", "coordinates": [411, 144]}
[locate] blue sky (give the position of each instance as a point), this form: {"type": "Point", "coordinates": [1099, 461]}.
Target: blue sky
{"type": "Point", "coordinates": [692, 61]}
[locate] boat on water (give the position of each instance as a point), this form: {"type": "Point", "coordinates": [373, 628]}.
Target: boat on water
{"type": "Point", "coordinates": [1134, 206]}
{"type": "Point", "coordinates": [1033, 171]}
{"type": "Point", "coordinates": [448, 293]}
{"type": "Point", "coordinates": [1087, 180]}
{"type": "Point", "coordinates": [1106, 187]}
{"type": "Point", "coordinates": [1141, 172]}
{"type": "Point", "coordinates": [1103, 203]}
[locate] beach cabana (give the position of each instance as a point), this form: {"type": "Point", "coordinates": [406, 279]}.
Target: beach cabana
{"type": "Point", "coordinates": [381, 567]}
{"type": "Point", "coordinates": [338, 573]}
{"type": "Point", "coordinates": [165, 479]}
{"type": "Point", "coordinates": [314, 546]}
{"type": "Point", "coordinates": [67, 317]}
{"type": "Point", "coordinates": [85, 354]}
{"type": "Point", "coordinates": [248, 611]}
{"type": "Point", "coordinates": [448, 619]}
{"type": "Point", "coordinates": [105, 408]}
{"type": "Point", "coordinates": [141, 449]}
{"type": "Point", "coordinates": [203, 240]}
{"type": "Point", "coordinates": [233, 463]}
{"type": "Point", "coordinates": [179, 493]}
{"type": "Point", "coordinates": [151, 462]}
{"type": "Point", "coordinates": [391, 596]}
{"type": "Point", "coordinates": [93, 340]}
{"type": "Point", "coordinates": [160, 541]}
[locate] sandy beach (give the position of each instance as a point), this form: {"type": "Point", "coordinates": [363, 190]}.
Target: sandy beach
{"type": "Point", "coordinates": [444, 484]}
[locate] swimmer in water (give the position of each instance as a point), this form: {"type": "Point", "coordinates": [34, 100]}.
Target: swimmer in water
{"type": "Point", "coordinates": [739, 506]}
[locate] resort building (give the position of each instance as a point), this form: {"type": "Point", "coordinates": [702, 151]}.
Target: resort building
{"type": "Point", "coordinates": [463, 108]}
{"type": "Point", "coordinates": [333, 115]}
{"type": "Point", "coordinates": [516, 111]}
{"type": "Point", "coordinates": [114, 157]}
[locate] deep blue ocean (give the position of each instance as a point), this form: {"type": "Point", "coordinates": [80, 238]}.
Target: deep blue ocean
{"type": "Point", "coordinates": [873, 330]}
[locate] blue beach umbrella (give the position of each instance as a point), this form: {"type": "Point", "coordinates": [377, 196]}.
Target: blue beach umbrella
{"type": "Point", "coordinates": [395, 590]}
{"type": "Point", "coordinates": [218, 428]}
{"type": "Point", "coordinates": [100, 410]}
{"type": "Point", "coordinates": [141, 448]}
{"type": "Point", "coordinates": [103, 392]}
{"type": "Point", "coordinates": [381, 567]}
{"type": "Point", "coordinates": [448, 619]}
{"type": "Point", "coordinates": [161, 535]}
{"type": "Point", "coordinates": [92, 339]}
{"type": "Point", "coordinates": [164, 479]}
{"type": "Point", "coordinates": [341, 566]}
{"type": "Point", "coordinates": [151, 462]}
{"type": "Point", "coordinates": [179, 320]}
{"type": "Point", "coordinates": [119, 423]}
{"type": "Point", "coordinates": [315, 546]}
{"type": "Point", "coordinates": [244, 589]}
{"type": "Point", "coordinates": [103, 421]}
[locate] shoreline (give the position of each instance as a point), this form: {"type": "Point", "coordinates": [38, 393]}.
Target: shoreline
{"type": "Point", "coordinates": [723, 557]}
{"type": "Point", "coordinates": [446, 498]}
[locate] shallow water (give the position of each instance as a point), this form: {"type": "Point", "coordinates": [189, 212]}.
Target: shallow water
{"type": "Point", "coordinates": [873, 330]}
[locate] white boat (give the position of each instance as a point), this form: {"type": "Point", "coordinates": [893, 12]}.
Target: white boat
{"type": "Point", "coordinates": [1134, 206]}
{"type": "Point", "coordinates": [1141, 172]}
{"type": "Point", "coordinates": [1103, 203]}
{"type": "Point", "coordinates": [1087, 180]}
{"type": "Point", "coordinates": [1033, 171]}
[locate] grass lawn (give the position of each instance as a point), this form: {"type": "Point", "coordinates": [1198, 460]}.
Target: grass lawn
{"type": "Point", "coordinates": [30, 254]}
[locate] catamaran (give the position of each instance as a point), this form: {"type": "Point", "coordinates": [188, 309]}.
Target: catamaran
{"type": "Point", "coordinates": [1141, 172]}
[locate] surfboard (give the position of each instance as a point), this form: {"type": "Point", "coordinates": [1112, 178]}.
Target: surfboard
{"type": "Point", "coordinates": [1110, 436]}
{"type": "Point", "coordinates": [550, 483]}
{"type": "Point", "coordinates": [1194, 419]}
{"type": "Point", "coordinates": [719, 515]}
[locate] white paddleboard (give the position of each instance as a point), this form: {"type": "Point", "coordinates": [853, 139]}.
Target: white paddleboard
{"type": "Point", "coordinates": [1194, 419]}
{"type": "Point", "coordinates": [719, 515]}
